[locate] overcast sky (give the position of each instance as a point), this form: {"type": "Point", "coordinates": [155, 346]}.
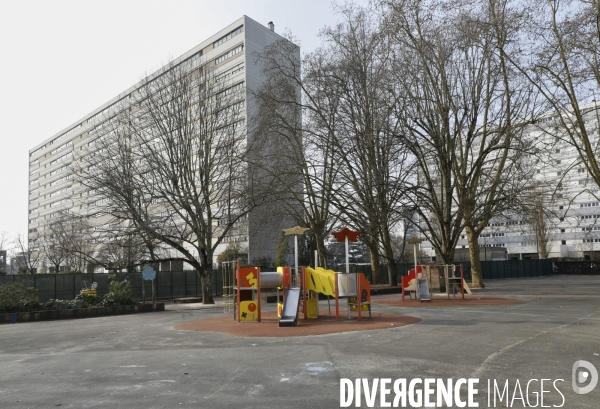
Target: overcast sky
{"type": "Point", "coordinates": [62, 59]}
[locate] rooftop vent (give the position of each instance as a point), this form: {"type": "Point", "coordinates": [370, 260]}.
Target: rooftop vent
{"type": "Point", "coordinates": [271, 26]}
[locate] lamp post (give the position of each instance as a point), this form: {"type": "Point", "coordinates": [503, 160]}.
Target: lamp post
{"type": "Point", "coordinates": [346, 235]}
{"type": "Point", "coordinates": [296, 231]}
{"type": "Point", "coordinates": [414, 241]}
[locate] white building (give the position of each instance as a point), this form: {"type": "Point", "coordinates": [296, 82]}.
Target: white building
{"type": "Point", "coordinates": [51, 178]}
{"type": "Point", "coordinates": [572, 216]}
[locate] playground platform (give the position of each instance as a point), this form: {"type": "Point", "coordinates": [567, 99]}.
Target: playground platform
{"type": "Point", "coordinates": [269, 325]}
{"type": "Point", "coordinates": [442, 300]}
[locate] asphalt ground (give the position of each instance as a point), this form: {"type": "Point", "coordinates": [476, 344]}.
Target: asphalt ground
{"type": "Point", "coordinates": [140, 361]}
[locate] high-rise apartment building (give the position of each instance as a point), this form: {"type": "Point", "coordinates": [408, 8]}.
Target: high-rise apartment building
{"type": "Point", "coordinates": [52, 191]}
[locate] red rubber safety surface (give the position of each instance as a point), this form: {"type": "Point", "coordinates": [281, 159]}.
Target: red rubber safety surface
{"type": "Point", "coordinates": [440, 302]}
{"type": "Point", "coordinates": [325, 324]}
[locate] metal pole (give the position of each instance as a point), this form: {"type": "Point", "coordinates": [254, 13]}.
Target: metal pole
{"type": "Point", "coordinates": [537, 241]}
{"type": "Point", "coordinates": [347, 255]}
{"type": "Point", "coordinates": [418, 292]}
{"type": "Point", "coordinates": [296, 256]}
{"type": "Point", "coordinates": [316, 258]}
{"type": "Point", "coordinates": [415, 255]}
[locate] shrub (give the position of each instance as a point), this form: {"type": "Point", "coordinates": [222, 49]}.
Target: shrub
{"type": "Point", "coordinates": [86, 300]}
{"type": "Point", "coordinates": [60, 305]}
{"type": "Point", "coordinates": [16, 297]}
{"type": "Point", "coordinates": [119, 293]}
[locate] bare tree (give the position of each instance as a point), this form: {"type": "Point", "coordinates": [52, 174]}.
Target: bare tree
{"type": "Point", "coordinates": [120, 250]}
{"type": "Point", "coordinates": [27, 251]}
{"type": "Point", "coordinates": [174, 163]}
{"type": "Point", "coordinates": [344, 150]}
{"type": "Point", "coordinates": [4, 240]}
{"type": "Point", "coordinates": [52, 244]}
{"type": "Point", "coordinates": [5, 249]}
{"type": "Point", "coordinates": [374, 164]}
{"type": "Point", "coordinates": [297, 104]}
{"type": "Point", "coordinates": [565, 68]}
{"type": "Point", "coordinates": [463, 114]}
{"type": "Point", "coordinates": [539, 216]}
{"type": "Point", "coordinates": [78, 241]}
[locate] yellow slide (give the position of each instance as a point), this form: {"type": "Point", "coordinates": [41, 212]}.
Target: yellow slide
{"type": "Point", "coordinates": [320, 280]}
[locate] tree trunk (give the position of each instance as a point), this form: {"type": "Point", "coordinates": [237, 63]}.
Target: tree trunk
{"type": "Point", "coordinates": [389, 257]}
{"type": "Point", "coordinates": [375, 266]}
{"type": "Point", "coordinates": [207, 297]}
{"type": "Point", "coordinates": [205, 274]}
{"type": "Point", "coordinates": [320, 239]}
{"type": "Point", "coordinates": [476, 273]}
{"type": "Point", "coordinates": [447, 256]}
{"type": "Point", "coordinates": [392, 276]}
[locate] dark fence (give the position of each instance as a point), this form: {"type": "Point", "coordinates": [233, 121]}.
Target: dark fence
{"type": "Point", "coordinates": [578, 267]}
{"type": "Point", "coordinates": [178, 284]}
{"type": "Point", "coordinates": [169, 284]}
{"type": "Point", "coordinates": [491, 270]}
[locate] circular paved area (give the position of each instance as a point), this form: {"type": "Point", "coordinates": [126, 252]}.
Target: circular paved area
{"type": "Point", "coordinates": [325, 324]}
{"type": "Point", "coordinates": [441, 302]}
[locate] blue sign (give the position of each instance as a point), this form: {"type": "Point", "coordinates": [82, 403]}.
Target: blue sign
{"type": "Point", "coordinates": [148, 273]}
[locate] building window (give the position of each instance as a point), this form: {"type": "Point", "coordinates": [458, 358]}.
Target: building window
{"type": "Point", "coordinates": [231, 72]}
{"type": "Point", "coordinates": [563, 242]}
{"type": "Point", "coordinates": [236, 87]}
{"type": "Point", "coordinates": [228, 36]}
{"type": "Point", "coordinates": [229, 54]}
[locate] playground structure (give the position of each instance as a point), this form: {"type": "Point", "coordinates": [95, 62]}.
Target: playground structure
{"type": "Point", "coordinates": [249, 281]}
{"type": "Point", "coordinates": [90, 290]}
{"type": "Point", "coordinates": [422, 279]}
{"type": "Point", "coordinates": [352, 286]}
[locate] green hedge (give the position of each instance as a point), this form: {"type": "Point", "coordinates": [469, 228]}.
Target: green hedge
{"type": "Point", "coordinates": [16, 297]}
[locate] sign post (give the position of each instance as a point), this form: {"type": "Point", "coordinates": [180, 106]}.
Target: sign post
{"type": "Point", "coordinates": [148, 274]}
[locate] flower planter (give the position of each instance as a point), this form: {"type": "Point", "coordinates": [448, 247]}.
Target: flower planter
{"type": "Point", "coordinates": [78, 313]}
